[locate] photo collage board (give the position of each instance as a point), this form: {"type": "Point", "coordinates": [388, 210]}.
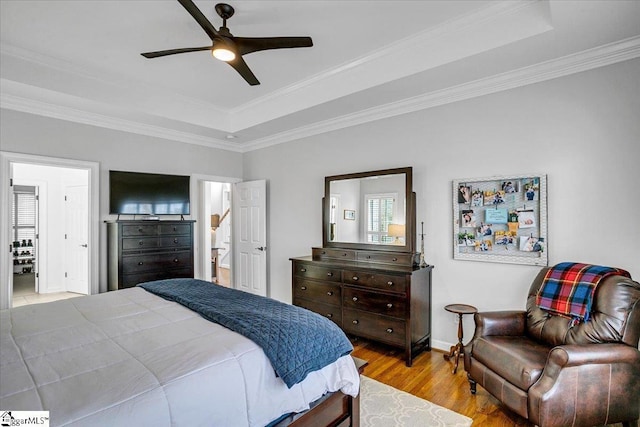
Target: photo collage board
{"type": "Point", "coordinates": [501, 219]}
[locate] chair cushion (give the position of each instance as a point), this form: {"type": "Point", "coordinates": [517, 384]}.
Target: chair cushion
{"type": "Point", "coordinates": [517, 359]}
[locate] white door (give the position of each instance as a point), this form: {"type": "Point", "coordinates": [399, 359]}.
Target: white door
{"type": "Point", "coordinates": [249, 210]}
{"type": "Point", "coordinates": [77, 238]}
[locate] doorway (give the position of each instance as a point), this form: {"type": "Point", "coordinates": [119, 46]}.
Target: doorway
{"type": "Point", "coordinates": [54, 265]}
{"type": "Point", "coordinates": [218, 207]}
{"type": "Point", "coordinates": [24, 233]}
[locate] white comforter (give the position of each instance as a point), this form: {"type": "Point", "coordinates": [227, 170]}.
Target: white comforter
{"type": "Point", "coordinates": [132, 358]}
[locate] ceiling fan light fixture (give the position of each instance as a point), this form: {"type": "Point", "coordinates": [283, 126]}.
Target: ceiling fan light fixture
{"type": "Point", "coordinates": [223, 53]}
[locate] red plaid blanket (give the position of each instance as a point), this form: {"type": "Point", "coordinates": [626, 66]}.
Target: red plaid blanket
{"type": "Point", "coordinates": [568, 288]}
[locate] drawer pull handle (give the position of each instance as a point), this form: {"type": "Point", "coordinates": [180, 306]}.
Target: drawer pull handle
{"type": "Point", "coordinates": [304, 288]}
{"type": "Point", "coordinates": [303, 270]}
{"type": "Point", "coordinates": [390, 283]}
{"type": "Point", "coordinates": [175, 228]}
{"type": "Point", "coordinates": [140, 263]}
{"type": "Point", "coordinates": [329, 315]}
{"type": "Point", "coordinates": [389, 305]}
{"type": "Point", "coordinates": [354, 299]}
{"type": "Point", "coordinates": [175, 240]}
{"type": "Point", "coordinates": [356, 278]}
{"type": "Point", "coordinates": [330, 293]}
{"type": "Point", "coordinates": [324, 253]}
{"type": "Point", "coordinates": [389, 330]}
{"type": "Point", "coordinates": [330, 274]}
{"type": "Point", "coordinates": [344, 254]}
{"type": "Point", "coordinates": [355, 322]}
{"type": "Point", "coordinates": [176, 260]}
{"type": "Point", "coordinates": [141, 243]}
{"type": "Point", "coordinates": [368, 256]}
{"type": "Point", "coordinates": [394, 259]}
{"type": "Point", "coordinates": [140, 229]}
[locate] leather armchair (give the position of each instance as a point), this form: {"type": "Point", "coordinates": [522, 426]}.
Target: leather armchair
{"type": "Point", "coordinates": [553, 374]}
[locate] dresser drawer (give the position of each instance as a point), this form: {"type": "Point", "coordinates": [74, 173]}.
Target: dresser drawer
{"type": "Point", "coordinates": [344, 254]}
{"type": "Point", "coordinates": [167, 229]}
{"type": "Point", "coordinates": [316, 272]}
{"type": "Point", "coordinates": [130, 280]}
{"type": "Point", "coordinates": [175, 241]}
{"type": "Point", "coordinates": [389, 282]}
{"type": "Point", "coordinates": [374, 302]}
{"type": "Point", "coordinates": [140, 243]}
{"type": "Point", "coordinates": [329, 311]}
{"type": "Point", "coordinates": [326, 292]}
{"type": "Point", "coordinates": [381, 328]}
{"type": "Point", "coordinates": [139, 230]}
{"type": "Point", "coordinates": [387, 258]}
{"type": "Point", "coordinates": [155, 262]}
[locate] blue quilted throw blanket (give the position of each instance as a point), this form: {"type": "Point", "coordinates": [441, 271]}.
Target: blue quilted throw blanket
{"type": "Point", "coordinates": [295, 340]}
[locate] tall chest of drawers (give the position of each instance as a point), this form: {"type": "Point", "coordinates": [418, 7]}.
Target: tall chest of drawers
{"type": "Point", "coordinates": [375, 296]}
{"type": "Point", "coordinates": [141, 251]}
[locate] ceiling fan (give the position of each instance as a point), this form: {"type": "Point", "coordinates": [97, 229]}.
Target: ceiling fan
{"type": "Point", "coordinates": [229, 48]}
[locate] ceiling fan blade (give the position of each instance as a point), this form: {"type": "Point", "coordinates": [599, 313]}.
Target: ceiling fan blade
{"type": "Point", "coordinates": [200, 18]}
{"type": "Point", "coordinates": [242, 68]}
{"type": "Point", "coordinates": [253, 44]}
{"type": "Point", "coordinates": [174, 51]}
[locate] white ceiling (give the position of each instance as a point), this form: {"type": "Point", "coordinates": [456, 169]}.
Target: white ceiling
{"type": "Point", "coordinates": [80, 61]}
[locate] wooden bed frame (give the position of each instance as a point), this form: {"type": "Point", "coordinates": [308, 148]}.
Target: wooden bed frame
{"type": "Point", "coordinates": [331, 410]}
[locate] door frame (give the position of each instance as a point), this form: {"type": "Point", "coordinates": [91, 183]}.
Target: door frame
{"type": "Point", "coordinates": [198, 207]}
{"type": "Point", "coordinates": [7, 159]}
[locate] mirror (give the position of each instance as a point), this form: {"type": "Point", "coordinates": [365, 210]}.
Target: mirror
{"type": "Point", "coordinates": [370, 210]}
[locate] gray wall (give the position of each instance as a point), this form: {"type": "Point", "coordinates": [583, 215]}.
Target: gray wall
{"type": "Point", "coordinates": [582, 131]}
{"type": "Point", "coordinates": [37, 135]}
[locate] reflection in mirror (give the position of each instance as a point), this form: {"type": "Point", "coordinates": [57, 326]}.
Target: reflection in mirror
{"type": "Point", "coordinates": [368, 210]}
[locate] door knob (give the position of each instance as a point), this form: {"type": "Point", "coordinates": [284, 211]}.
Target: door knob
{"type": "Point", "coordinates": [262, 248]}
{"type": "Point", "coordinates": [85, 245]}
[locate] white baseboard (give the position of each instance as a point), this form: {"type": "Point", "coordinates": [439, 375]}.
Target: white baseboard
{"type": "Point", "coordinates": [441, 345]}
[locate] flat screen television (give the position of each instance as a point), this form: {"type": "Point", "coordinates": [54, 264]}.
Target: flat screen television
{"type": "Point", "coordinates": [135, 193]}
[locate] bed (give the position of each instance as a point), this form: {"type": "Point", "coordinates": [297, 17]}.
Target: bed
{"type": "Point", "coordinates": [136, 358]}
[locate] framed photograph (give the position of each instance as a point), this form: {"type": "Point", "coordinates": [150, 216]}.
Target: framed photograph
{"type": "Point", "coordinates": [464, 194]}
{"type": "Point", "coordinates": [350, 214]}
{"type": "Point", "coordinates": [510, 216]}
{"type": "Point", "coordinates": [468, 218]}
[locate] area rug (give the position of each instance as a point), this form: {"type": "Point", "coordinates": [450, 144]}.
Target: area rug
{"type": "Point", "coordinates": [384, 406]}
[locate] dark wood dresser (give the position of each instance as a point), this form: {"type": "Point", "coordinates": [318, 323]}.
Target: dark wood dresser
{"type": "Point", "coordinates": [141, 251]}
{"type": "Point", "coordinates": [382, 296]}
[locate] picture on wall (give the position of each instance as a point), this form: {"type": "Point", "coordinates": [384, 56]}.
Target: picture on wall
{"type": "Point", "coordinates": [495, 220]}
{"type": "Point", "coordinates": [468, 218]}
{"type": "Point", "coordinates": [464, 194]}
{"type": "Point", "coordinates": [476, 198]}
{"type": "Point", "coordinates": [526, 219]}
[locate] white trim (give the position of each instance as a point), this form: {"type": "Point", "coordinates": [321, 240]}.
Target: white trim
{"type": "Point", "coordinates": [7, 159]}
{"type": "Point", "coordinates": [26, 105]}
{"type": "Point", "coordinates": [200, 257]}
{"type": "Point", "coordinates": [609, 54]}
{"type": "Point", "coordinates": [589, 59]}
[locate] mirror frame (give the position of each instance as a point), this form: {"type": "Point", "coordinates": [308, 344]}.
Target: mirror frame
{"type": "Point", "coordinates": [410, 214]}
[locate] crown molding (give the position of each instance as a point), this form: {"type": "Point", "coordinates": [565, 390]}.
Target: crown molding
{"type": "Point", "coordinates": [32, 106]}
{"type": "Point", "coordinates": [601, 56]}
{"type": "Point", "coordinates": [472, 33]}
{"type": "Point", "coordinates": [483, 15]}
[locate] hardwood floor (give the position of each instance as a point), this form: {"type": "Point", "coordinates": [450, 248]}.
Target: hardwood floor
{"type": "Point", "coordinates": [431, 378]}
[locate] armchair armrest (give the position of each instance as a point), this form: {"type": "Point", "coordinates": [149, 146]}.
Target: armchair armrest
{"type": "Point", "coordinates": [590, 384]}
{"type": "Point", "coordinates": [500, 323]}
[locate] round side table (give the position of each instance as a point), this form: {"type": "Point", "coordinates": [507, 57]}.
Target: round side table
{"type": "Point", "coordinates": [457, 351]}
